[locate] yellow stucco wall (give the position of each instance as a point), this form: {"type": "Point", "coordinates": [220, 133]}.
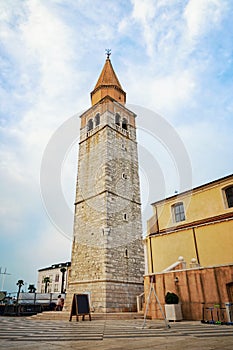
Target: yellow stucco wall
{"type": "Point", "coordinates": [214, 246]}
{"type": "Point", "coordinates": [215, 243]}
{"type": "Point", "coordinates": [205, 210]}
{"type": "Point", "coordinates": [167, 248]}
{"type": "Point", "coordinates": [200, 204]}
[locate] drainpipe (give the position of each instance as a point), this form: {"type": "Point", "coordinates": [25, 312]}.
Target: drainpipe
{"type": "Point", "coordinates": [156, 213]}
{"type": "Point", "coordinates": [151, 257]}
{"type": "Point", "coordinates": [195, 245]}
{"type": "Point", "coordinates": [151, 253]}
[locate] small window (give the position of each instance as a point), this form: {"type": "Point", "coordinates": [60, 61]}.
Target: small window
{"type": "Point", "coordinates": [124, 176]}
{"type": "Point", "coordinates": [117, 119]}
{"type": "Point", "coordinates": [57, 278]}
{"type": "Point", "coordinates": [124, 124]}
{"type": "Point", "coordinates": [123, 147]}
{"type": "Point", "coordinates": [97, 119]}
{"type": "Point", "coordinates": [178, 212]}
{"type": "Point", "coordinates": [125, 217]}
{"type": "Point", "coordinates": [229, 196]}
{"type": "Point", "coordinates": [90, 125]}
{"type": "Point", "coordinates": [126, 253]}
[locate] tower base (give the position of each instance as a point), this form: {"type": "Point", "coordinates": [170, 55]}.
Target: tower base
{"type": "Point", "coordinates": [107, 296]}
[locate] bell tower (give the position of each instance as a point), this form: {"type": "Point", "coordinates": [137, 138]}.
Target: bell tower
{"type": "Point", "coordinates": [107, 254]}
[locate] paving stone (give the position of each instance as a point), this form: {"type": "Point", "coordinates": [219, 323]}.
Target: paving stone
{"type": "Point", "coordinates": [22, 333]}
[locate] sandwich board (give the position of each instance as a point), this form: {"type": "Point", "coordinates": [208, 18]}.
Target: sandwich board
{"type": "Point", "coordinates": [80, 306]}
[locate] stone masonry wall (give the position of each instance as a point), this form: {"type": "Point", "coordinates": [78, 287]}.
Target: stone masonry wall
{"type": "Point", "coordinates": [107, 254]}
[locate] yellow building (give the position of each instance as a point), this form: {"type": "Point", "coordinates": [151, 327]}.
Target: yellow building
{"type": "Point", "coordinates": [196, 225]}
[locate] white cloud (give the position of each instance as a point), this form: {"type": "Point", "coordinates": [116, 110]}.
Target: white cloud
{"type": "Point", "coordinates": [210, 147]}
{"type": "Point", "coordinates": [171, 92]}
{"type": "Point", "coordinates": [48, 41]}
{"type": "Point", "coordinates": [57, 246]}
{"type": "Point", "coordinates": [201, 16]}
{"type": "Point", "coordinates": [143, 10]}
{"type": "Point", "coordinates": [52, 53]}
{"type": "Point", "coordinates": [39, 251]}
{"type": "Point", "coordinates": [40, 98]}
{"type": "Point", "coordinates": [143, 13]}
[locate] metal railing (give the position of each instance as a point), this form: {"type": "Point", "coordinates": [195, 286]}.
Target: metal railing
{"type": "Point", "coordinates": [29, 304]}
{"type": "Point", "coordinates": [140, 302]}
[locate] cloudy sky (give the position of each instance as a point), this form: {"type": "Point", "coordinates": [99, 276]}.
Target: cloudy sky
{"type": "Point", "coordinates": [172, 57]}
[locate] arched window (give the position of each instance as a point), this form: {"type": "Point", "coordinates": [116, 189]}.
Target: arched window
{"type": "Point", "coordinates": [178, 212]}
{"type": "Point", "coordinates": [124, 124]}
{"type": "Point", "coordinates": [97, 119]}
{"type": "Point", "coordinates": [90, 125]}
{"type": "Point", "coordinates": [229, 196]}
{"type": "Point", "coordinates": [117, 119]}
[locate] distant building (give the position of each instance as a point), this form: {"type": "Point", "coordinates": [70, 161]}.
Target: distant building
{"type": "Point", "coordinates": [189, 247]}
{"type": "Point", "coordinates": [54, 274]}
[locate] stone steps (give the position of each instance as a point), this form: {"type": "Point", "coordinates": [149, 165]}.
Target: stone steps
{"type": "Point", "coordinates": [65, 315]}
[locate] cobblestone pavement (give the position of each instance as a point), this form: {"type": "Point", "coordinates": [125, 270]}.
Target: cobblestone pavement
{"type": "Point", "coordinates": [24, 333]}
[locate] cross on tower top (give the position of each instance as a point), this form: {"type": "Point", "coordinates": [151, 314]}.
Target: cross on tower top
{"type": "Point", "coordinates": [108, 53]}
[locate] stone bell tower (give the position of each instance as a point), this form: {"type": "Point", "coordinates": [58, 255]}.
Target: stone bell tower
{"type": "Point", "coordinates": [107, 254]}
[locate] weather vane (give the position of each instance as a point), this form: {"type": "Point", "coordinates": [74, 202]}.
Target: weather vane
{"type": "Point", "coordinates": [108, 52]}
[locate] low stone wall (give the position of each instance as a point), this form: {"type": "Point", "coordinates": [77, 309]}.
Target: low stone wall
{"type": "Point", "coordinates": [195, 287]}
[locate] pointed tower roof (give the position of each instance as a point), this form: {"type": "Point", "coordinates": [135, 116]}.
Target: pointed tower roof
{"type": "Point", "coordinates": [108, 85]}
{"type": "Point", "coordinates": [108, 76]}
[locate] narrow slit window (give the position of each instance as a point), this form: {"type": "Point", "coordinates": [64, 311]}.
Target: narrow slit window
{"type": "Point", "coordinates": [126, 253]}
{"type": "Point", "coordinates": [97, 119]}
{"type": "Point", "coordinates": [117, 119]}
{"type": "Point", "coordinates": [90, 125]}
{"type": "Point", "coordinates": [124, 124]}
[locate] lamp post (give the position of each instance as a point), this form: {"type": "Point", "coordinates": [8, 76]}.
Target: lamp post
{"type": "Point", "coordinates": [3, 277]}
{"type": "Point", "coordinates": [63, 271]}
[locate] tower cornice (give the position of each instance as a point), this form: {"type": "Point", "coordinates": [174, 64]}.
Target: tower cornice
{"type": "Point", "coordinates": [111, 99]}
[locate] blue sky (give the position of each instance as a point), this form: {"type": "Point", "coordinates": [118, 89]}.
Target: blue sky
{"type": "Point", "coordinates": [172, 57]}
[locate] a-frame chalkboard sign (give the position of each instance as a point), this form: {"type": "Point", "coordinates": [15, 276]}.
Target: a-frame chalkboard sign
{"type": "Point", "coordinates": [80, 306]}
